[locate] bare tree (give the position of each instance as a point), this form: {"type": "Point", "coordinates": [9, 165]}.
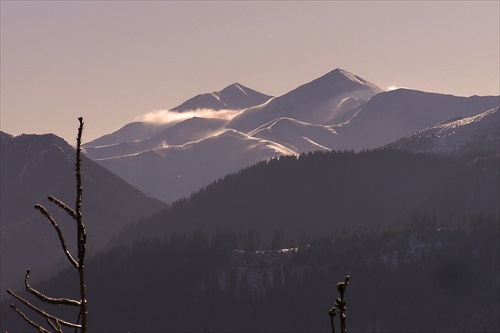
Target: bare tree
{"type": "Point", "coordinates": [339, 306]}
{"type": "Point", "coordinates": [56, 323]}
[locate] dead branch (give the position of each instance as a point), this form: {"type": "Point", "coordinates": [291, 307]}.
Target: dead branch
{"type": "Point", "coordinates": [65, 207]}
{"type": "Point", "coordinates": [41, 311]}
{"type": "Point", "coordinates": [46, 298]}
{"type": "Point", "coordinates": [59, 233]}
{"type": "Point", "coordinates": [29, 321]}
{"type": "Point", "coordinates": [339, 306]}
{"type": "Point", "coordinates": [55, 325]}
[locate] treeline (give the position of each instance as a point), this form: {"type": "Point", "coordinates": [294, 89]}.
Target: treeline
{"type": "Point", "coordinates": [422, 278]}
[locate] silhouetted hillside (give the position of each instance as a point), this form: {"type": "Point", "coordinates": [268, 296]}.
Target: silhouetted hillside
{"type": "Point", "coordinates": [36, 166]}
{"type": "Point", "coordinates": [327, 192]}
{"type": "Point", "coordinates": [420, 279]}
{"type": "Point", "coordinates": [262, 249]}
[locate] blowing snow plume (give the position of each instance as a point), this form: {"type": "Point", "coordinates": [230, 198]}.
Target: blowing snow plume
{"type": "Point", "coordinates": [165, 117]}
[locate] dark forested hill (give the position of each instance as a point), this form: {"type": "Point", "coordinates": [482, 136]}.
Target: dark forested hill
{"type": "Point", "coordinates": [36, 166]}
{"type": "Point", "coordinates": [327, 192]}
{"type": "Point", "coordinates": [262, 249]}
{"type": "Point", "coordinates": [419, 279]}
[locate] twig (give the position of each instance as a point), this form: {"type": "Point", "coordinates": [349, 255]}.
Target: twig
{"type": "Point", "coordinates": [65, 207]}
{"type": "Point", "coordinates": [332, 314]}
{"type": "Point", "coordinates": [59, 233]}
{"type": "Point", "coordinates": [340, 303]}
{"type": "Point", "coordinates": [40, 311]}
{"type": "Point", "coordinates": [46, 298]}
{"type": "Point", "coordinates": [339, 306]}
{"type": "Point", "coordinates": [56, 326]}
{"type": "Point", "coordinates": [29, 321]}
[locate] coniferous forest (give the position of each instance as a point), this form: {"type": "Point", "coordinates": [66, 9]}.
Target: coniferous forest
{"type": "Point", "coordinates": [263, 249]}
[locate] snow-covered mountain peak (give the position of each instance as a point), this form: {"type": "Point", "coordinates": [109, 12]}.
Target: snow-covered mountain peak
{"type": "Point", "coordinates": [234, 97]}
{"type": "Point", "coordinates": [340, 78]}
{"type": "Point", "coordinates": [235, 88]}
{"type": "Point", "coordinates": [215, 133]}
{"type": "Point", "coordinates": [315, 102]}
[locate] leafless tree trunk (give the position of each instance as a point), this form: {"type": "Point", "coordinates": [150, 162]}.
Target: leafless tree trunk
{"type": "Point", "coordinates": [56, 323]}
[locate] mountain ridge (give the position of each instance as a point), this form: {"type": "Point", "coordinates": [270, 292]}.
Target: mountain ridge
{"type": "Point", "coordinates": [233, 97]}
{"type": "Point", "coordinates": [456, 135]}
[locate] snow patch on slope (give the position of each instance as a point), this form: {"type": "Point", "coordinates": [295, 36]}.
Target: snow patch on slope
{"type": "Point", "coordinates": [456, 135]}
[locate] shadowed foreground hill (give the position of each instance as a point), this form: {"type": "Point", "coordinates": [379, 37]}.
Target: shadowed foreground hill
{"type": "Point", "coordinates": [36, 166]}
{"type": "Point", "coordinates": [327, 192]}
{"type": "Point", "coordinates": [420, 279]}
{"type": "Point", "coordinates": [418, 260]}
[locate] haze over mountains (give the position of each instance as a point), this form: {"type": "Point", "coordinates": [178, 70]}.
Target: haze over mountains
{"type": "Point", "coordinates": [340, 110]}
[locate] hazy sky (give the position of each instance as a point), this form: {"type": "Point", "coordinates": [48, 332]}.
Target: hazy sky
{"type": "Point", "coordinates": [113, 61]}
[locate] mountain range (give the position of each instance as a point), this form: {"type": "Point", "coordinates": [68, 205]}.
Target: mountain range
{"type": "Point", "coordinates": [398, 188]}
{"type": "Point", "coordinates": [337, 111]}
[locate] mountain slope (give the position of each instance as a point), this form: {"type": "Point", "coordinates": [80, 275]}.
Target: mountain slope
{"type": "Point", "coordinates": [193, 129]}
{"type": "Point", "coordinates": [233, 97]}
{"type": "Point", "coordinates": [157, 285]}
{"type": "Point", "coordinates": [298, 136]}
{"type": "Point", "coordinates": [175, 171]}
{"type": "Point", "coordinates": [130, 132]}
{"type": "Point", "coordinates": [456, 135]}
{"type": "Point", "coordinates": [36, 166]}
{"type": "Point", "coordinates": [315, 102]}
{"type": "Point", "coordinates": [392, 115]}
{"type": "Point", "coordinates": [368, 214]}
{"type": "Point", "coordinates": [323, 192]}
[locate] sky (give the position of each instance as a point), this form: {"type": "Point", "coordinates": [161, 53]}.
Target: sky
{"type": "Point", "coordinates": [113, 61]}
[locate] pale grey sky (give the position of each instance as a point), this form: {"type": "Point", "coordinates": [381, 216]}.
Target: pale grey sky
{"type": "Point", "coordinates": [113, 61]}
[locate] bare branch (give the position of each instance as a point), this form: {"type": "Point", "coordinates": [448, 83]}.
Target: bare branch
{"type": "Point", "coordinates": [55, 325]}
{"type": "Point", "coordinates": [29, 321]}
{"type": "Point", "coordinates": [65, 207]}
{"type": "Point", "coordinates": [47, 298]}
{"type": "Point", "coordinates": [59, 233]}
{"type": "Point", "coordinates": [40, 311]}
